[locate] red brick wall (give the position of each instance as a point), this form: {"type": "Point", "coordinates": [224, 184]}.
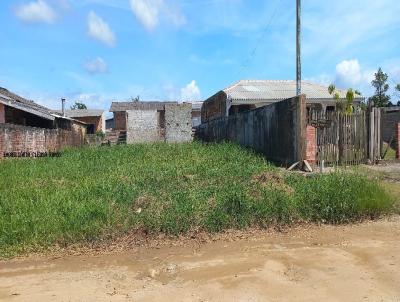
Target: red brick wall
{"type": "Point", "coordinates": [120, 120]}
{"type": "Point", "coordinates": [214, 107]}
{"type": "Point", "coordinates": [2, 114]}
{"type": "Point", "coordinates": [398, 141]}
{"type": "Point", "coordinates": [95, 120]}
{"type": "Point", "coordinates": [311, 149]}
{"type": "Point", "coordinates": [22, 141]}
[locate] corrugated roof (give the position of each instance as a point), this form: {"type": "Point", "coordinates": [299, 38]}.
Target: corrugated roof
{"type": "Point", "coordinates": [81, 113]}
{"type": "Point", "coordinates": [270, 90]}
{"type": "Point", "coordinates": [11, 99]}
{"type": "Point", "coordinates": [196, 105]}
{"type": "Point", "coordinates": [151, 105]}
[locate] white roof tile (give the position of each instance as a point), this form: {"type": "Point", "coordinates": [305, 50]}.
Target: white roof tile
{"type": "Point", "coordinates": [270, 90]}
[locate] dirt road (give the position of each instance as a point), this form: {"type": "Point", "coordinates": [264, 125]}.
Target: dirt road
{"type": "Point", "coordinates": [349, 263]}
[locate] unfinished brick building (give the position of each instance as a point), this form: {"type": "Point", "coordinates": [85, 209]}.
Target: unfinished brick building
{"type": "Point", "coordinates": [153, 121]}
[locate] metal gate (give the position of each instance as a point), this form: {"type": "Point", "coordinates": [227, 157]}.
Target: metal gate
{"type": "Point", "coordinates": [342, 139]}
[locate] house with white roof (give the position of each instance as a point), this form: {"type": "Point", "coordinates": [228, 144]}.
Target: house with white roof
{"type": "Point", "coordinates": [250, 94]}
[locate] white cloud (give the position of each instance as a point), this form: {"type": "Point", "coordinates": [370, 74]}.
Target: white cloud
{"type": "Point", "coordinates": [149, 12]}
{"type": "Point", "coordinates": [90, 99]}
{"type": "Point", "coordinates": [190, 92]}
{"type": "Point", "coordinates": [36, 12]}
{"type": "Point", "coordinates": [98, 29]}
{"type": "Point", "coordinates": [96, 66]}
{"type": "Point", "coordinates": [349, 73]}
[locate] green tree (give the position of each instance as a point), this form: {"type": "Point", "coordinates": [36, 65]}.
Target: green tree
{"type": "Point", "coordinates": [398, 89]}
{"type": "Point", "coordinates": [380, 99]}
{"type": "Point", "coordinates": [135, 99]}
{"type": "Point", "coordinates": [78, 106]}
{"type": "Point", "coordinates": [343, 105]}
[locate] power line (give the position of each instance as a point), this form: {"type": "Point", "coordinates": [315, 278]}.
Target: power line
{"type": "Point", "coordinates": [264, 32]}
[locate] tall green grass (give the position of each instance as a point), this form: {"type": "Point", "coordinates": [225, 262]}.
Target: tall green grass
{"type": "Point", "coordinates": [90, 194]}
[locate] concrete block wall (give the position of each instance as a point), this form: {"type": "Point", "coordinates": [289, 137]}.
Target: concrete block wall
{"type": "Point", "coordinates": [311, 145]}
{"type": "Point", "coordinates": [178, 122]}
{"type": "Point", "coordinates": [144, 126]}
{"type": "Point", "coordinates": [389, 118]}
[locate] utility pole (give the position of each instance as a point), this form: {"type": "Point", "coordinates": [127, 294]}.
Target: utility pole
{"type": "Point", "coordinates": [298, 48]}
{"type": "Point", "coordinates": [63, 106]}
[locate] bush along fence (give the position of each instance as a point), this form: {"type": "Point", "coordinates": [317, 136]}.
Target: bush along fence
{"type": "Point", "coordinates": [278, 130]}
{"type": "Point", "coordinates": [22, 141]}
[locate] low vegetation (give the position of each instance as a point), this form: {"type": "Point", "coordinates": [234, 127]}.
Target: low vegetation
{"type": "Point", "coordinates": [92, 194]}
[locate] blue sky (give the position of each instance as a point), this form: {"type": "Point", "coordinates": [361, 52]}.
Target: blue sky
{"type": "Point", "coordinates": [97, 51]}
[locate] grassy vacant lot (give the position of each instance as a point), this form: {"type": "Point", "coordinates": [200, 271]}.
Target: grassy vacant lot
{"type": "Point", "coordinates": [89, 194]}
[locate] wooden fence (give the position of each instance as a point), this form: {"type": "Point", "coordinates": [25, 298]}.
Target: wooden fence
{"type": "Point", "coordinates": [278, 130]}
{"type": "Point", "coordinates": [374, 135]}
{"type": "Point", "coordinates": [346, 139]}
{"type": "Point", "coordinates": [341, 138]}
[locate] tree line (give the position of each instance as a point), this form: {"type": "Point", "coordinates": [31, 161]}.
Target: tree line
{"type": "Point", "coordinates": [381, 98]}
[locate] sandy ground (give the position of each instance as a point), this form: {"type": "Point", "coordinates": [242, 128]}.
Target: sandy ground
{"type": "Point", "coordinates": [346, 263]}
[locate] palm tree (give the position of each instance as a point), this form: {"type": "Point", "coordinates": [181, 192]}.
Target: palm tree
{"type": "Point", "coordinates": [343, 106]}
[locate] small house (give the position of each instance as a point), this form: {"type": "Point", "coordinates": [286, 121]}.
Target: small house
{"type": "Point", "coordinates": [28, 129]}
{"type": "Point", "coordinates": [17, 110]}
{"type": "Point", "coordinates": [250, 94]}
{"type": "Point", "coordinates": [93, 118]}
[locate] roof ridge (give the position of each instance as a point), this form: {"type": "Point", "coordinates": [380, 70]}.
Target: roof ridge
{"type": "Point", "coordinates": [150, 101]}
{"type": "Point", "coordinates": [232, 86]}
{"type": "Point", "coordinates": [25, 101]}
{"type": "Point", "coordinates": [278, 89]}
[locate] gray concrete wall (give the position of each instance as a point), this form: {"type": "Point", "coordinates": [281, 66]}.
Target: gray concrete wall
{"type": "Point", "coordinates": [178, 122]}
{"type": "Point", "coordinates": [277, 130]}
{"type": "Point", "coordinates": [389, 119]}
{"type": "Point", "coordinates": [143, 126]}
{"type": "Point", "coordinates": [174, 124]}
